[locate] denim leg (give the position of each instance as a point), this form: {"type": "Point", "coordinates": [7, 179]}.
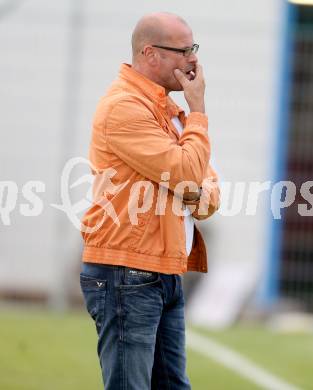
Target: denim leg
{"type": "Point", "coordinates": [97, 284]}
{"type": "Point", "coordinates": [126, 305]}
{"type": "Point", "coordinates": [141, 311]}
{"type": "Point", "coordinates": [169, 369]}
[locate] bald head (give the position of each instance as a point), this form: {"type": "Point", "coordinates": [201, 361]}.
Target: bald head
{"type": "Point", "coordinates": [159, 63]}
{"type": "Point", "coordinates": [156, 28]}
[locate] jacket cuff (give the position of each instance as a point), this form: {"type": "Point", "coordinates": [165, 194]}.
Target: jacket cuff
{"type": "Point", "coordinates": [197, 118]}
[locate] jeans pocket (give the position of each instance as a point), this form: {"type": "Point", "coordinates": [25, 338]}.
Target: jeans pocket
{"type": "Point", "coordinates": [94, 293]}
{"type": "Point", "coordinates": [134, 277]}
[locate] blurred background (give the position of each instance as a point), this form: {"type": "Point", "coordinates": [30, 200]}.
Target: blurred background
{"type": "Point", "coordinates": [57, 60]}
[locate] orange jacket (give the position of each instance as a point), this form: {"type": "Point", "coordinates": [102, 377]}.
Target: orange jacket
{"type": "Point", "coordinates": [134, 141]}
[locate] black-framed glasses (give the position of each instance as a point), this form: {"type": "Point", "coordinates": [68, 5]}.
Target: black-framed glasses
{"type": "Point", "coordinates": [187, 51]}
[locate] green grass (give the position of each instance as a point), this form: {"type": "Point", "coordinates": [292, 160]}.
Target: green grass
{"type": "Point", "coordinates": [205, 374]}
{"type": "Point", "coordinates": [288, 356]}
{"type": "Point", "coordinates": [44, 351]}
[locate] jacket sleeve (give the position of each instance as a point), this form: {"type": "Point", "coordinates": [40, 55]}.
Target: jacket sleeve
{"type": "Point", "coordinates": [140, 141]}
{"type": "Point", "coordinates": [209, 200]}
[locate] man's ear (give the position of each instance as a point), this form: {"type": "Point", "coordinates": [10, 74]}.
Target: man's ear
{"type": "Point", "coordinates": [150, 54]}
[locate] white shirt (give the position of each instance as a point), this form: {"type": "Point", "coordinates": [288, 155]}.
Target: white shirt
{"type": "Point", "coordinates": [188, 219]}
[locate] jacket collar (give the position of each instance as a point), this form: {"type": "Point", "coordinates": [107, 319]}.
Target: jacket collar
{"type": "Point", "coordinates": [152, 90]}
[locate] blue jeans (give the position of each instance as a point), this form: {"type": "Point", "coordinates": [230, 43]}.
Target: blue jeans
{"type": "Point", "coordinates": [139, 317]}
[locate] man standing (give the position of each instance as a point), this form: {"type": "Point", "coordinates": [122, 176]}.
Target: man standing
{"type": "Point", "coordinates": [150, 161]}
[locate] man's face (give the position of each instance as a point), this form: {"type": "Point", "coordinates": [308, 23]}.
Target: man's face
{"type": "Point", "coordinates": [170, 60]}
